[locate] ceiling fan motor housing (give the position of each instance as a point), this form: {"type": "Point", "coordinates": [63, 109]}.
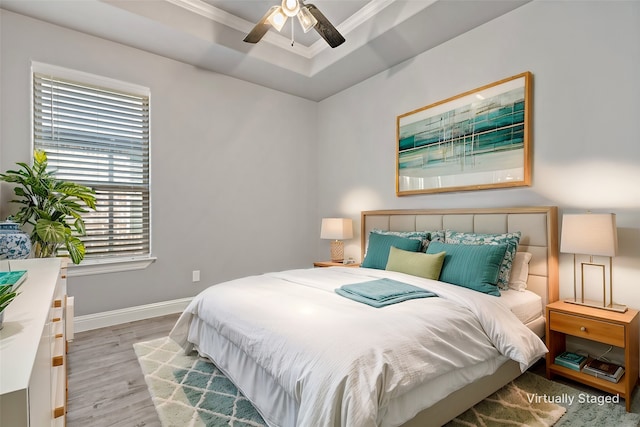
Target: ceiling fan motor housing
{"type": "Point", "coordinates": [290, 7]}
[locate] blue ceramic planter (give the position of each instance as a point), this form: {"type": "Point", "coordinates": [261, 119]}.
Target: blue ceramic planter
{"type": "Point", "coordinates": [14, 243]}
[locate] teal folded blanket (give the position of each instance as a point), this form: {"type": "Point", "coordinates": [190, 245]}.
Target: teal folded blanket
{"type": "Point", "coordinates": [382, 292]}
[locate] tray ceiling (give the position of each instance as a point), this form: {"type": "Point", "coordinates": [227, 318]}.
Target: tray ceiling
{"type": "Point", "coordinates": [209, 33]}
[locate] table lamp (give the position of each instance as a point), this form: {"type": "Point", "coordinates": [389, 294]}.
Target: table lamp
{"type": "Point", "coordinates": [592, 235]}
{"type": "Point", "coordinates": [336, 229]}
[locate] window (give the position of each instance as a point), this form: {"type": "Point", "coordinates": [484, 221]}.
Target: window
{"type": "Point", "coordinates": [97, 134]}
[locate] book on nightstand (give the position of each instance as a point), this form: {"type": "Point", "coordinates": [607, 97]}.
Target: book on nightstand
{"type": "Point", "coordinates": [604, 370]}
{"type": "Point", "coordinates": [571, 360]}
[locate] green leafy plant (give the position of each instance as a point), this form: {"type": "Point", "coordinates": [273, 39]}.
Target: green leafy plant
{"type": "Point", "coordinates": [7, 294]}
{"type": "Point", "coordinates": [52, 207]}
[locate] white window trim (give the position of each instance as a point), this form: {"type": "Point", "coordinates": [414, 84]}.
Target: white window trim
{"type": "Point", "coordinates": [110, 265]}
{"type": "Point", "coordinates": [88, 78]}
{"type": "Point", "coordinates": [115, 264]}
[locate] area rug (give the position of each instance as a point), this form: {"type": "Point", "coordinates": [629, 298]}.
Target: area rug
{"type": "Point", "coordinates": [516, 404]}
{"type": "Point", "coordinates": [189, 391]}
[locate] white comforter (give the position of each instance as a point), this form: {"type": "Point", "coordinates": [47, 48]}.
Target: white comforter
{"type": "Point", "coordinates": [343, 361]}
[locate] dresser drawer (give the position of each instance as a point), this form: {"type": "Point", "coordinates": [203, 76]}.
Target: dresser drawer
{"type": "Point", "coordinates": [596, 330]}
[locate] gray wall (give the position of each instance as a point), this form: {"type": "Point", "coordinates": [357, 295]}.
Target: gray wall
{"type": "Point", "coordinates": [585, 60]}
{"type": "Point", "coordinates": [233, 184]}
{"type": "Point", "coordinates": [227, 179]}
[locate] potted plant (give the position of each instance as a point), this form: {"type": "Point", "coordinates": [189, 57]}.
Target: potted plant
{"type": "Point", "coordinates": [7, 294]}
{"type": "Point", "coordinates": [52, 207]}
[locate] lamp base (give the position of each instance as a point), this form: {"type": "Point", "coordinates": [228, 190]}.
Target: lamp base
{"type": "Point", "coordinates": [619, 308]}
{"type": "Point", "coordinates": [337, 251]}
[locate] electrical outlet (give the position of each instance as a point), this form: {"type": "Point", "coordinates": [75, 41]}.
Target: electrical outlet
{"type": "Point", "coordinates": [195, 276]}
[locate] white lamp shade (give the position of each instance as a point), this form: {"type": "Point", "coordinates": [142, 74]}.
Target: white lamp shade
{"type": "Point", "coordinates": [336, 228]}
{"type": "Point", "coordinates": [589, 234]}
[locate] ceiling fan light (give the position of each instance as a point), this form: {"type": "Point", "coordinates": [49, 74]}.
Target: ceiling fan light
{"type": "Point", "coordinates": [307, 20]}
{"type": "Point", "coordinates": [290, 7]}
{"type": "Point", "coordinates": [277, 19]}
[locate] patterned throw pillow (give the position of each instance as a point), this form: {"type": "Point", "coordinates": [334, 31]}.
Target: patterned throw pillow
{"type": "Point", "coordinates": [437, 236]}
{"type": "Point", "coordinates": [510, 239]}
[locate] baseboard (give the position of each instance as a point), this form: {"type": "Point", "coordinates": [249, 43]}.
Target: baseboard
{"type": "Point", "coordinates": [130, 314]}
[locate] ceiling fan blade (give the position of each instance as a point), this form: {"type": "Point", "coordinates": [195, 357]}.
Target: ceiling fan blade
{"type": "Point", "coordinates": [326, 28]}
{"type": "Point", "coordinates": [261, 27]}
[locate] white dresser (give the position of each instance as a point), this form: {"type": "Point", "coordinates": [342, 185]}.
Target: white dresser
{"type": "Point", "coordinates": [33, 365]}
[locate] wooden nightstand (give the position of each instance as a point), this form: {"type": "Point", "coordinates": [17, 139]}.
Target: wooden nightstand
{"type": "Point", "coordinates": [334, 264]}
{"type": "Point", "coordinates": [607, 327]}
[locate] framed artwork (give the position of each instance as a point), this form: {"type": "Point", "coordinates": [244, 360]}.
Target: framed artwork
{"type": "Point", "coordinates": [477, 140]}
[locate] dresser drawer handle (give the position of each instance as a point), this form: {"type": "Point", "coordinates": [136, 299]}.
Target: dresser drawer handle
{"type": "Point", "coordinates": [583, 329]}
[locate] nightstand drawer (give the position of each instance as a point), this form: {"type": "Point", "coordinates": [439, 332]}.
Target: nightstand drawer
{"type": "Point", "coordinates": [605, 332]}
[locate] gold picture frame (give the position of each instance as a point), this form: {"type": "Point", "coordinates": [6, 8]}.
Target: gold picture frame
{"type": "Point", "coordinates": [478, 140]}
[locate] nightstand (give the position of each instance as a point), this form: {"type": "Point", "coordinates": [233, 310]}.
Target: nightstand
{"type": "Point", "coordinates": [607, 327]}
{"type": "Point", "coordinates": [334, 264]}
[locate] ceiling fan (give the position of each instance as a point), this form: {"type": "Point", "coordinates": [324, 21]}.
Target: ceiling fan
{"type": "Point", "coordinates": [308, 15]}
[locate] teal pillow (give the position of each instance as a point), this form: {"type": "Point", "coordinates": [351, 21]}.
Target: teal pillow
{"type": "Point", "coordinates": [473, 266]}
{"type": "Point", "coordinates": [510, 239]}
{"type": "Point", "coordinates": [415, 263]}
{"type": "Point", "coordinates": [379, 246]}
{"type": "Point", "coordinates": [423, 236]}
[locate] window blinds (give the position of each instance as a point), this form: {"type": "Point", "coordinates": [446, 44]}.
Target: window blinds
{"type": "Point", "coordinates": [99, 138]}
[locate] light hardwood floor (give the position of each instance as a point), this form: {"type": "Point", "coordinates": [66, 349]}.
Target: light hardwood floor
{"type": "Point", "coordinates": [106, 385]}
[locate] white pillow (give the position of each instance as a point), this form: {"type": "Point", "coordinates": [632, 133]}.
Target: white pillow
{"type": "Point", "coordinates": [520, 271]}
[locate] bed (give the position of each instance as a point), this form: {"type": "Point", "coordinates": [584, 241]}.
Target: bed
{"type": "Point", "coordinates": [305, 355]}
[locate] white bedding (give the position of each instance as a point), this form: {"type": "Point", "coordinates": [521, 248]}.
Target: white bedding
{"type": "Point", "coordinates": [526, 305]}
{"type": "Point", "coordinates": [343, 362]}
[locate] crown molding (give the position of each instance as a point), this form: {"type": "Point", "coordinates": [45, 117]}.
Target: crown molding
{"type": "Point", "coordinates": [309, 52]}
{"type": "Point", "coordinates": [354, 21]}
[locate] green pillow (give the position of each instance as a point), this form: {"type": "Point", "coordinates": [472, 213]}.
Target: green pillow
{"type": "Point", "coordinates": [415, 263]}
{"type": "Point", "coordinates": [472, 266]}
{"type": "Point", "coordinates": [379, 245]}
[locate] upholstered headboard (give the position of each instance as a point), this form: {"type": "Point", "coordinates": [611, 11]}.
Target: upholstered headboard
{"type": "Point", "coordinates": [538, 225]}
